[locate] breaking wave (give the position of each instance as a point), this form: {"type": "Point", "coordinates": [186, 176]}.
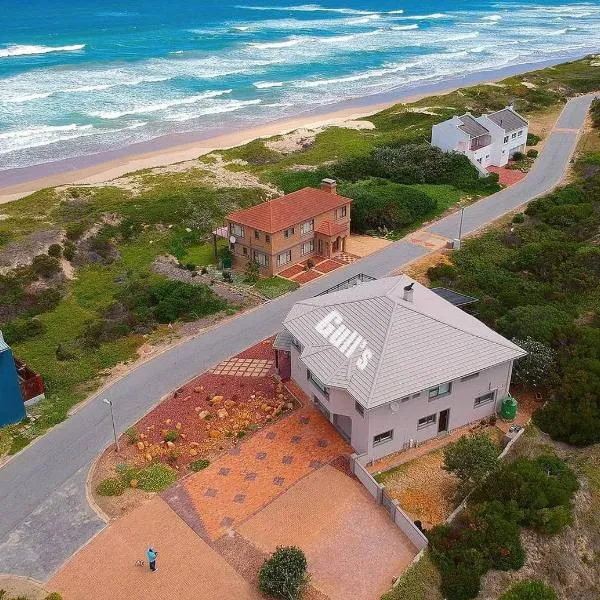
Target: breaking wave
{"type": "Point", "coordinates": [27, 50]}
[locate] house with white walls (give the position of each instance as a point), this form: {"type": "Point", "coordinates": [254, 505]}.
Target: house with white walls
{"type": "Point", "coordinates": [488, 140]}
{"type": "Point", "coordinates": [390, 363]}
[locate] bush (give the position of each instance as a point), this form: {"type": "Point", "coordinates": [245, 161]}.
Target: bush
{"type": "Point", "coordinates": [595, 113]}
{"type": "Point", "coordinates": [517, 156]}
{"type": "Point", "coordinates": [171, 436]}
{"type": "Point", "coordinates": [110, 487]}
{"type": "Point", "coordinates": [131, 433]}
{"type": "Point", "coordinates": [55, 250]}
{"type": "Point", "coordinates": [227, 276]}
{"type": "Point", "coordinates": [471, 458]}
{"type": "Point", "coordinates": [529, 589]}
{"type": "Point", "coordinates": [53, 596]}
{"type": "Point", "coordinates": [519, 218]}
{"type": "Point", "coordinates": [381, 204]}
{"type": "Point", "coordinates": [156, 477]}
{"type": "Point", "coordinates": [252, 271]}
{"type": "Point", "coordinates": [284, 574]}
{"type": "Point", "coordinates": [531, 153]}
{"type": "Point", "coordinates": [532, 139]}
{"type": "Point", "coordinates": [68, 250]}
{"type": "Point", "coordinates": [45, 266]}
{"type": "Point", "coordinates": [199, 464]}
{"type": "Point", "coordinates": [20, 330]}
{"type": "Point", "coordinates": [537, 367]}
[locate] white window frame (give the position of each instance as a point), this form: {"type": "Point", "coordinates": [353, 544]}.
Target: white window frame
{"type": "Point", "coordinates": [506, 138]}
{"type": "Point", "coordinates": [341, 212]}
{"type": "Point", "coordinates": [428, 421]}
{"type": "Point", "coordinates": [307, 227]}
{"type": "Point", "coordinates": [263, 261]}
{"type": "Point", "coordinates": [484, 399]}
{"type": "Point", "coordinates": [311, 244]}
{"type": "Point", "coordinates": [384, 436]}
{"type": "Point", "coordinates": [288, 233]}
{"type": "Point", "coordinates": [317, 383]}
{"type": "Point", "coordinates": [513, 135]}
{"type": "Point", "coordinates": [435, 392]}
{"type": "Point", "coordinates": [287, 258]}
{"type": "Point", "coordinates": [520, 133]}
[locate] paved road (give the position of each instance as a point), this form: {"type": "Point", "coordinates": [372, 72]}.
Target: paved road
{"type": "Point", "coordinates": [44, 514]}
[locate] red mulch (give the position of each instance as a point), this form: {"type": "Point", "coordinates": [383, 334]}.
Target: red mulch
{"type": "Point", "coordinates": [198, 437]}
{"type": "Point", "coordinates": [508, 176]}
{"type": "Point", "coordinates": [307, 276]}
{"type": "Point", "coordinates": [330, 265]}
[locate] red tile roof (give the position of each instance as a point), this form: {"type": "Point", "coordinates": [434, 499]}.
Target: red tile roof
{"type": "Point", "coordinates": [329, 229]}
{"type": "Point", "coordinates": [278, 214]}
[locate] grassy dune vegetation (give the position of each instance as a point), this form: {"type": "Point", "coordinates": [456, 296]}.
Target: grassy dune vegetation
{"type": "Point", "coordinates": [86, 304]}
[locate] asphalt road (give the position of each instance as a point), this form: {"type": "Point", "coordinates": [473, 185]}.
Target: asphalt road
{"type": "Point", "coordinates": [44, 514]}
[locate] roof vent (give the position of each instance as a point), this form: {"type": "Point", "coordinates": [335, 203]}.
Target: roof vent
{"type": "Point", "coordinates": [408, 292]}
{"type": "Point", "coordinates": [329, 185]}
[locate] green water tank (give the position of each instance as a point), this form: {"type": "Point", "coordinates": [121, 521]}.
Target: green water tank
{"type": "Point", "coordinates": [508, 410]}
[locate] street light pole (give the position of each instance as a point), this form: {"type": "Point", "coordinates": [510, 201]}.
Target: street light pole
{"type": "Point", "coordinates": [462, 214]}
{"type": "Point", "coordinates": [112, 417]}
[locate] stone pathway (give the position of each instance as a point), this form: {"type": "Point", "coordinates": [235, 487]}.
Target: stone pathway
{"type": "Point", "coordinates": [255, 472]}
{"type": "Point", "coordinates": [243, 367]}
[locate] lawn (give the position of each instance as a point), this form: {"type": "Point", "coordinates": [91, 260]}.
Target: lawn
{"type": "Point", "coordinates": [272, 287]}
{"type": "Point", "coordinates": [202, 255]}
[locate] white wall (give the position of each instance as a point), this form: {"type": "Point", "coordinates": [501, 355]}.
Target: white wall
{"type": "Point", "coordinates": [460, 401]}
{"type": "Point", "coordinates": [448, 137]}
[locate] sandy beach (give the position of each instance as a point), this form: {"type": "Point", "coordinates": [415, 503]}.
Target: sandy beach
{"type": "Point", "coordinates": [101, 168]}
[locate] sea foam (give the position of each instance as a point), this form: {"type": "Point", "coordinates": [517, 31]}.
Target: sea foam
{"type": "Point", "coordinates": [27, 50]}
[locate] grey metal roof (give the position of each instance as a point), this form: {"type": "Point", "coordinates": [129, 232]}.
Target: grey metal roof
{"type": "Point", "coordinates": [283, 340]}
{"type": "Point", "coordinates": [454, 297]}
{"type": "Point", "coordinates": [472, 127]}
{"type": "Point", "coordinates": [508, 119]}
{"type": "Point", "coordinates": [416, 345]}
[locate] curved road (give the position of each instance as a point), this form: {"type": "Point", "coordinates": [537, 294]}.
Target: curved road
{"type": "Point", "coordinates": [44, 514]}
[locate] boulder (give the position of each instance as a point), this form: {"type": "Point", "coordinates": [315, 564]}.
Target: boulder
{"type": "Point", "coordinates": [140, 446]}
{"type": "Point", "coordinates": [178, 426]}
{"type": "Point", "coordinates": [193, 452]}
{"type": "Point", "coordinates": [222, 413]}
{"type": "Point", "coordinates": [214, 434]}
{"type": "Point", "coordinates": [187, 398]}
{"type": "Point", "coordinates": [199, 389]}
{"type": "Point", "coordinates": [170, 445]}
{"type": "Point", "coordinates": [203, 414]}
{"type": "Point", "coordinates": [168, 421]}
{"type": "Point", "coordinates": [217, 399]}
{"type": "Point", "coordinates": [229, 403]}
{"type": "Point", "coordinates": [148, 456]}
{"type": "Point", "coordinates": [133, 483]}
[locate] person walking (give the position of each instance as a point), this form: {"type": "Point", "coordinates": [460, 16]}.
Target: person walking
{"type": "Point", "coordinates": [151, 554]}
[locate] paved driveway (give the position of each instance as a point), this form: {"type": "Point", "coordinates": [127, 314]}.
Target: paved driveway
{"type": "Point", "coordinates": [353, 548]}
{"type": "Point", "coordinates": [188, 568]}
{"type": "Point", "coordinates": [44, 510]}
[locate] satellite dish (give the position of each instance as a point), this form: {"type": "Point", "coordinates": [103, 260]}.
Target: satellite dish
{"type": "Point", "coordinates": [395, 407]}
{"type": "Point", "coordinates": [232, 239]}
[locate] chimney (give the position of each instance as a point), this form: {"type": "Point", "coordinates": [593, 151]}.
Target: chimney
{"type": "Point", "coordinates": [408, 292]}
{"type": "Point", "coordinates": [329, 185]}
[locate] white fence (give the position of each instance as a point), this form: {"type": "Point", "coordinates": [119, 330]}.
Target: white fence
{"type": "Point", "coordinates": [398, 516]}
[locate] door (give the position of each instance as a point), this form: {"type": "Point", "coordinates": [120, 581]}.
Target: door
{"type": "Point", "coordinates": [443, 420]}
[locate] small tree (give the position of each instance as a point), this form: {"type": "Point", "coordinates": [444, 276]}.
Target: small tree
{"type": "Point", "coordinates": [471, 458]}
{"type": "Point", "coordinates": [537, 366]}
{"type": "Point", "coordinates": [529, 589]}
{"type": "Point", "coordinates": [55, 250]}
{"type": "Point", "coordinates": [284, 574]}
{"type": "Point", "coordinates": [252, 271]}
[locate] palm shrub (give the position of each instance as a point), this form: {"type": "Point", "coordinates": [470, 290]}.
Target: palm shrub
{"type": "Point", "coordinates": [284, 574]}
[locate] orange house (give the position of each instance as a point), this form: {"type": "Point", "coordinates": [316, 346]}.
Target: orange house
{"type": "Point", "coordinates": [287, 230]}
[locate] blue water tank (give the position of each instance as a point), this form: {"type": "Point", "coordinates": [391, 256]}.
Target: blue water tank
{"type": "Point", "coordinates": [12, 409]}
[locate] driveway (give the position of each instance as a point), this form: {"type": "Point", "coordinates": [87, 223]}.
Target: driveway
{"type": "Point", "coordinates": [188, 568]}
{"type": "Point", "coordinates": [45, 515]}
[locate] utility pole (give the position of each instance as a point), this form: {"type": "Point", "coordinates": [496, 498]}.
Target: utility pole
{"type": "Point", "coordinates": [112, 417]}
{"type": "Point", "coordinates": [462, 214]}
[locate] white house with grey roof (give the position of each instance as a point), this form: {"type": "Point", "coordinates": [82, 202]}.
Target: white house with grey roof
{"type": "Point", "coordinates": [488, 140]}
{"type": "Point", "coordinates": [391, 363]}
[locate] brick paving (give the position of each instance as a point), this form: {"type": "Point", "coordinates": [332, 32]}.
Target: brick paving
{"type": "Point", "coordinates": [307, 276]}
{"type": "Point", "coordinates": [508, 176]}
{"type": "Point", "coordinates": [237, 485]}
{"type": "Point", "coordinates": [246, 367]}
{"type": "Point", "coordinates": [321, 266]}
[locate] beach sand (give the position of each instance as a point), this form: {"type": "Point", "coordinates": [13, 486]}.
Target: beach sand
{"type": "Point", "coordinates": [102, 168]}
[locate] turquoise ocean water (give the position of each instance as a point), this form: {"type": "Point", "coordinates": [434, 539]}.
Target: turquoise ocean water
{"type": "Point", "coordinates": [78, 77]}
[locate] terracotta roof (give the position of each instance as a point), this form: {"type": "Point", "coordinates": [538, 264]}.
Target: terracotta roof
{"type": "Point", "coordinates": [328, 228]}
{"type": "Point", "coordinates": [278, 214]}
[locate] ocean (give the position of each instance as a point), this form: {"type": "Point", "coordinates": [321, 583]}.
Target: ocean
{"type": "Point", "coordinates": [79, 77]}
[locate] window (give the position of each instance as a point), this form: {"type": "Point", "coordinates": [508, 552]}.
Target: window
{"type": "Point", "coordinates": [256, 234]}
{"type": "Point", "coordinates": [244, 251]}
{"type": "Point", "coordinates": [288, 232]}
{"type": "Point", "coordinates": [426, 421]}
{"type": "Point", "coordinates": [416, 395]}
{"type": "Point", "coordinates": [308, 247]}
{"type": "Point", "coordinates": [520, 133]}
{"type": "Point", "coordinates": [487, 155]}
{"type": "Point", "coordinates": [341, 212]}
{"type": "Point", "coordinates": [441, 390]}
{"type": "Point", "coordinates": [284, 258]}
{"type": "Point", "coordinates": [296, 344]}
{"type": "Point", "coordinates": [236, 230]}
{"type": "Point", "coordinates": [479, 160]}
{"type": "Point", "coordinates": [505, 139]}
{"type": "Point", "coordinates": [307, 227]}
{"type": "Point", "coordinates": [381, 438]}
{"type": "Point", "coordinates": [514, 135]}
{"type": "Point", "coordinates": [469, 377]}
{"type": "Point", "coordinates": [359, 409]}
{"type": "Point", "coordinates": [485, 399]}
{"type": "Point", "coordinates": [267, 237]}
{"type": "Point", "coordinates": [317, 383]}
{"type": "Point", "coordinates": [261, 259]}
{"type": "Point", "coordinates": [405, 399]}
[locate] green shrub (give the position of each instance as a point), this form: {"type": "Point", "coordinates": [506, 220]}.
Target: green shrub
{"type": "Point", "coordinates": [199, 464]}
{"type": "Point", "coordinates": [529, 589]}
{"type": "Point", "coordinates": [20, 330]}
{"type": "Point", "coordinates": [45, 266]}
{"type": "Point", "coordinates": [532, 139]}
{"type": "Point", "coordinates": [53, 596]}
{"type": "Point", "coordinates": [252, 271]}
{"type": "Point", "coordinates": [537, 367]}
{"type": "Point", "coordinates": [284, 574]}
{"type": "Point", "coordinates": [517, 156]}
{"type": "Point", "coordinates": [519, 218]}
{"type": "Point", "coordinates": [471, 458]}
{"type": "Point", "coordinates": [112, 486]}
{"type": "Point", "coordinates": [532, 153]}
{"type": "Point", "coordinates": [131, 433]}
{"type": "Point", "coordinates": [68, 250]}
{"type": "Point", "coordinates": [156, 477]}
{"type": "Point", "coordinates": [55, 250]}
{"type": "Point", "coordinates": [171, 435]}
{"type": "Point", "coordinates": [595, 113]}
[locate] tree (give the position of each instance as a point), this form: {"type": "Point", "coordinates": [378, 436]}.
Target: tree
{"type": "Point", "coordinates": [529, 589]}
{"type": "Point", "coordinates": [55, 250]}
{"type": "Point", "coordinates": [284, 574]}
{"type": "Point", "coordinates": [471, 458]}
{"type": "Point", "coordinates": [252, 271]}
{"type": "Point", "coordinates": [537, 367]}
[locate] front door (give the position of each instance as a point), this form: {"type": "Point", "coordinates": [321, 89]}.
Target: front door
{"type": "Point", "coordinates": [443, 420]}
